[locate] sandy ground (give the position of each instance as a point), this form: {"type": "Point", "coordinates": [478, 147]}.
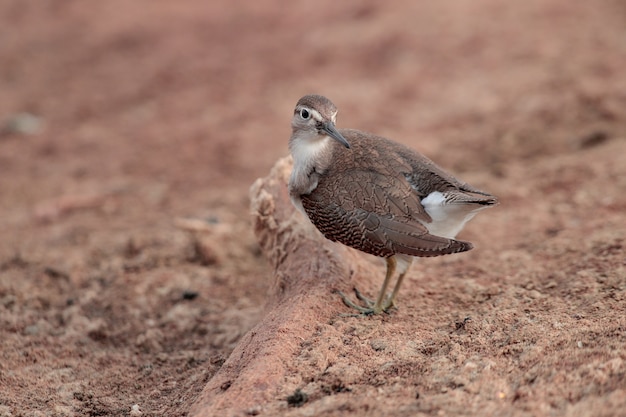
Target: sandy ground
{"type": "Point", "coordinates": [130, 133]}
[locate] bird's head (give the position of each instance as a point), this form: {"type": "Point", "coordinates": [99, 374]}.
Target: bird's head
{"type": "Point", "coordinates": [314, 118]}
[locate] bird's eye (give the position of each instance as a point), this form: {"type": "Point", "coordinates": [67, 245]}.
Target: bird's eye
{"type": "Point", "coordinates": [305, 114]}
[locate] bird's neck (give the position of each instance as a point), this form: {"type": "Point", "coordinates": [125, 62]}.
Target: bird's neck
{"type": "Point", "coordinates": [311, 157]}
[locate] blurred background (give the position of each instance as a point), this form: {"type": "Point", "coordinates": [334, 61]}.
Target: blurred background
{"type": "Point", "coordinates": [130, 133]}
{"type": "Point", "coordinates": [199, 94]}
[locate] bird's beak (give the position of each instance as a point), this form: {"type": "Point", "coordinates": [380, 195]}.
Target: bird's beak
{"type": "Point", "coordinates": [330, 129]}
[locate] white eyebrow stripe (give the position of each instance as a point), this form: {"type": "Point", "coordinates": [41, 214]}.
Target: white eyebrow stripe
{"type": "Point", "coordinates": [316, 115]}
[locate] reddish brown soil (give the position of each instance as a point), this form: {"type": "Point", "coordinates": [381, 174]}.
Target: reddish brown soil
{"type": "Point", "coordinates": [128, 267]}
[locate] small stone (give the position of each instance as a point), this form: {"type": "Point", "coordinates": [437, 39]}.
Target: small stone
{"type": "Point", "coordinates": [297, 399]}
{"type": "Point", "coordinates": [31, 330]}
{"type": "Point", "coordinates": [135, 411]}
{"type": "Point", "coordinates": [592, 139]}
{"type": "Point", "coordinates": [7, 301]}
{"type": "Point", "coordinates": [378, 345]}
{"type": "Point", "coordinates": [254, 411]}
{"type": "Point", "coordinates": [23, 124]}
{"type": "Point", "coordinates": [205, 252]}
{"type": "Point", "coordinates": [190, 295]}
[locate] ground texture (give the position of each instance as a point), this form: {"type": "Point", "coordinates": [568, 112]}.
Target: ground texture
{"type": "Point", "coordinates": [131, 132]}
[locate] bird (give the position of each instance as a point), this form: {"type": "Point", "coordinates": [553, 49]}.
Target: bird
{"type": "Point", "coordinates": [375, 195]}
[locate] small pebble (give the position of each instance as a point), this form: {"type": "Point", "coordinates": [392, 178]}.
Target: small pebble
{"type": "Point", "coordinates": [378, 345]}
{"type": "Point", "coordinates": [254, 411]}
{"type": "Point", "coordinates": [190, 295]}
{"type": "Point", "coordinates": [23, 124]}
{"type": "Point", "coordinates": [135, 411]}
{"type": "Point", "coordinates": [31, 330]}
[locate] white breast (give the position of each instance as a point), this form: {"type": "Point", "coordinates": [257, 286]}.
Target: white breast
{"type": "Point", "coordinates": [306, 150]}
{"type": "Point", "coordinates": [306, 170]}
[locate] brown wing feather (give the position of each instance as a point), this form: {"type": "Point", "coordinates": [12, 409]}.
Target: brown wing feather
{"type": "Point", "coordinates": [374, 214]}
{"type": "Point", "coordinates": [424, 175]}
{"type": "Point", "coordinates": [370, 198]}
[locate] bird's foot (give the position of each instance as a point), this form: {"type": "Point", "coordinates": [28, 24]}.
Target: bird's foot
{"type": "Point", "coordinates": [367, 301]}
{"type": "Point", "coordinates": [370, 307]}
{"type": "Point", "coordinates": [388, 303]}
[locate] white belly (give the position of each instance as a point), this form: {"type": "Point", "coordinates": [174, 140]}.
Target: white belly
{"type": "Point", "coordinates": [447, 218]}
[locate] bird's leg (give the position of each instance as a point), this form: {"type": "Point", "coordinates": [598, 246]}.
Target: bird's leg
{"type": "Point", "coordinates": [377, 307]}
{"type": "Point", "coordinates": [390, 302]}
{"type": "Point", "coordinates": [391, 269]}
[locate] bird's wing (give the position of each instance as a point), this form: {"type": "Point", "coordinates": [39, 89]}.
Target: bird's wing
{"type": "Point", "coordinates": [465, 197]}
{"type": "Point", "coordinates": [376, 213]}
{"type": "Point", "coordinates": [425, 177]}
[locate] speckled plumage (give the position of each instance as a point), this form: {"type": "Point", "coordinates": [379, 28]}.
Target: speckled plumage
{"type": "Point", "coordinates": [374, 206]}
{"type": "Point", "coordinates": [373, 194]}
